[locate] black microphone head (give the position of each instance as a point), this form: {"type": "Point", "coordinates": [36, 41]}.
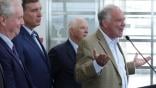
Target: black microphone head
{"type": "Point", "coordinates": [127, 37]}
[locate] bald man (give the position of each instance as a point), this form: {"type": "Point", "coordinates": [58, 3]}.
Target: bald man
{"type": "Point", "coordinates": [63, 56]}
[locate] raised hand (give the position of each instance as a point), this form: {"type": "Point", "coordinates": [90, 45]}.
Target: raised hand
{"type": "Point", "coordinates": [139, 62]}
{"type": "Point", "coordinates": [101, 58]}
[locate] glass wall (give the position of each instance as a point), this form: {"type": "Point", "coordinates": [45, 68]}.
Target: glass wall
{"type": "Point", "coordinates": [140, 27]}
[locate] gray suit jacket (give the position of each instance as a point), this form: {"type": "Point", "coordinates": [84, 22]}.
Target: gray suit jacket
{"type": "Point", "coordinates": [85, 73]}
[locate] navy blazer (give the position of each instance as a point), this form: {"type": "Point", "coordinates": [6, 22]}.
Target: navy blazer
{"type": "Point", "coordinates": [63, 59]}
{"type": "Point", "coordinates": [15, 76]}
{"type": "Point", "coordinates": [34, 59]}
{"type": "Point", "coordinates": [1, 77]}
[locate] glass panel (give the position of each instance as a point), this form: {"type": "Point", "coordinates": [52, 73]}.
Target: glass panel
{"type": "Point", "coordinates": [138, 5]}
{"type": "Point", "coordinates": [154, 57]}
{"type": "Point", "coordinates": [154, 27]}
{"type": "Point", "coordinates": [58, 32]}
{"type": "Point", "coordinates": [57, 6]}
{"type": "Point", "coordinates": [154, 78]}
{"type": "Point", "coordinates": [79, 6]}
{"type": "Point", "coordinates": [139, 79]}
{"type": "Point", "coordinates": [154, 5]}
{"type": "Point", "coordinates": [129, 50]}
{"type": "Point", "coordinates": [138, 25]}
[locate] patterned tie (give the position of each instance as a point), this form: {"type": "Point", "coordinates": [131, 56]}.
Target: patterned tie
{"type": "Point", "coordinates": [34, 36]}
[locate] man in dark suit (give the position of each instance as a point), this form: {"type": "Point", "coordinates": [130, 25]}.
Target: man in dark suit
{"type": "Point", "coordinates": [14, 72]}
{"type": "Point", "coordinates": [63, 56]}
{"type": "Point", "coordinates": [29, 47]}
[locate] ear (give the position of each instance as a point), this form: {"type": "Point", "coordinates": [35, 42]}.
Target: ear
{"type": "Point", "coordinates": [2, 20]}
{"type": "Point", "coordinates": [104, 23]}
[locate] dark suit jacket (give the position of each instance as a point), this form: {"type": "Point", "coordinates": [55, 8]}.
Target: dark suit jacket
{"type": "Point", "coordinates": [63, 58]}
{"type": "Point", "coordinates": [34, 59]}
{"type": "Point", "coordinates": [15, 75]}
{"type": "Point", "coordinates": [1, 77]}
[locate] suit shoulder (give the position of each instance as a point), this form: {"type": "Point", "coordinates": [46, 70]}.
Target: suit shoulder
{"type": "Point", "coordinates": [90, 38]}
{"type": "Point", "coordinates": [57, 47]}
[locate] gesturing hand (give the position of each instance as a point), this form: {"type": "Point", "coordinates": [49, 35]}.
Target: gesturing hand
{"type": "Point", "coordinates": [139, 62]}
{"type": "Point", "coordinates": [101, 58]}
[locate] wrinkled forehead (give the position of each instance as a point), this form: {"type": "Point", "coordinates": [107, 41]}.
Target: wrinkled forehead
{"type": "Point", "coordinates": [116, 13]}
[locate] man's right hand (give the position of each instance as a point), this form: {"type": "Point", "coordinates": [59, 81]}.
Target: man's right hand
{"type": "Point", "coordinates": [101, 58]}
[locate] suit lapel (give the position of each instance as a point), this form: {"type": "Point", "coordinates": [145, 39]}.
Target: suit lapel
{"type": "Point", "coordinates": [16, 58]}
{"type": "Point", "coordinates": [123, 58]}
{"type": "Point", "coordinates": [44, 53]}
{"type": "Point", "coordinates": [5, 48]}
{"type": "Point", "coordinates": [71, 52]}
{"type": "Point", "coordinates": [32, 42]}
{"type": "Point", "coordinates": [28, 38]}
{"type": "Point", "coordinates": [105, 47]}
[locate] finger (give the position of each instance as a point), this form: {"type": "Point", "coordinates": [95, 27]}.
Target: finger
{"type": "Point", "coordinates": [136, 55]}
{"type": "Point", "coordinates": [94, 53]}
{"type": "Point", "coordinates": [148, 58]}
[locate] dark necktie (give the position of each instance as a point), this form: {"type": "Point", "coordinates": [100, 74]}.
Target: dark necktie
{"type": "Point", "coordinates": [14, 51]}
{"type": "Point", "coordinates": [35, 37]}
{"type": "Point", "coordinates": [16, 55]}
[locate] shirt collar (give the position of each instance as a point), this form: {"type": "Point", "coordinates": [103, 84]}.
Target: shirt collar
{"type": "Point", "coordinates": [28, 29]}
{"type": "Point", "coordinates": [6, 40]}
{"type": "Point", "coordinates": [75, 46]}
{"type": "Point", "coordinates": [108, 39]}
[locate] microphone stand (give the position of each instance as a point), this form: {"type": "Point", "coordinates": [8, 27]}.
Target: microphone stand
{"type": "Point", "coordinates": [127, 37]}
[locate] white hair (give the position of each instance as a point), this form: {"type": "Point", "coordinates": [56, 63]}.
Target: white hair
{"type": "Point", "coordinates": [74, 22]}
{"type": "Point", "coordinates": [6, 7]}
{"type": "Point", "coordinates": [104, 14]}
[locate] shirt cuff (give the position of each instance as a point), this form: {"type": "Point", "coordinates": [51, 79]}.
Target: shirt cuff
{"type": "Point", "coordinates": [97, 67]}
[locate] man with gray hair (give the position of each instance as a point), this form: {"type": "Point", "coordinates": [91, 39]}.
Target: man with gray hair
{"type": "Point", "coordinates": [30, 48]}
{"type": "Point", "coordinates": [100, 60]}
{"type": "Point", "coordinates": [63, 56]}
{"type": "Point", "coordinates": [11, 19]}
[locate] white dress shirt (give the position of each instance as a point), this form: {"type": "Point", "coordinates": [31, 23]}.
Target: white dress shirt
{"type": "Point", "coordinates": [75, 46]}
{"type": "Point", "coordinates": [36, 40]}
{"type": "Point", "coordinates": [118, 59]}
{"type": "Point", "coordinates": [7, 40]}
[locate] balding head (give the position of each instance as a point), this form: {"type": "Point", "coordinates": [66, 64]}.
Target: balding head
{"type": "Point", "coordinates": [105, 13]}
{"type": "Point", "coordinates": [112, 21]}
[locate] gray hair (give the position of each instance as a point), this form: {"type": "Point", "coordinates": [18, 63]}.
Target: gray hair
{"type": "Point", "coordinates": [6, 7]}
{"type": "Point", "coordinates": [74, 22]}
{"type": "Point", "coordinates": [105, 13]}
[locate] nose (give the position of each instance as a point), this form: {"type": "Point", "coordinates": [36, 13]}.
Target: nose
{"type": "Point", "coordinates": [86, 31]}
{"type": "Point", "coordinates": [39, 13]}
{"type": "Point", "coordinates": [123, 24]}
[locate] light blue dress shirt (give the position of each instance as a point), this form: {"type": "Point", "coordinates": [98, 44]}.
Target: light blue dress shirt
{"type": "Point", "coordinates": [118, 59]}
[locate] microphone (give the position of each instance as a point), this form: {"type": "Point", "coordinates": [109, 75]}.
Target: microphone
{"type": "Point", "coordinates": [128, 38]}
